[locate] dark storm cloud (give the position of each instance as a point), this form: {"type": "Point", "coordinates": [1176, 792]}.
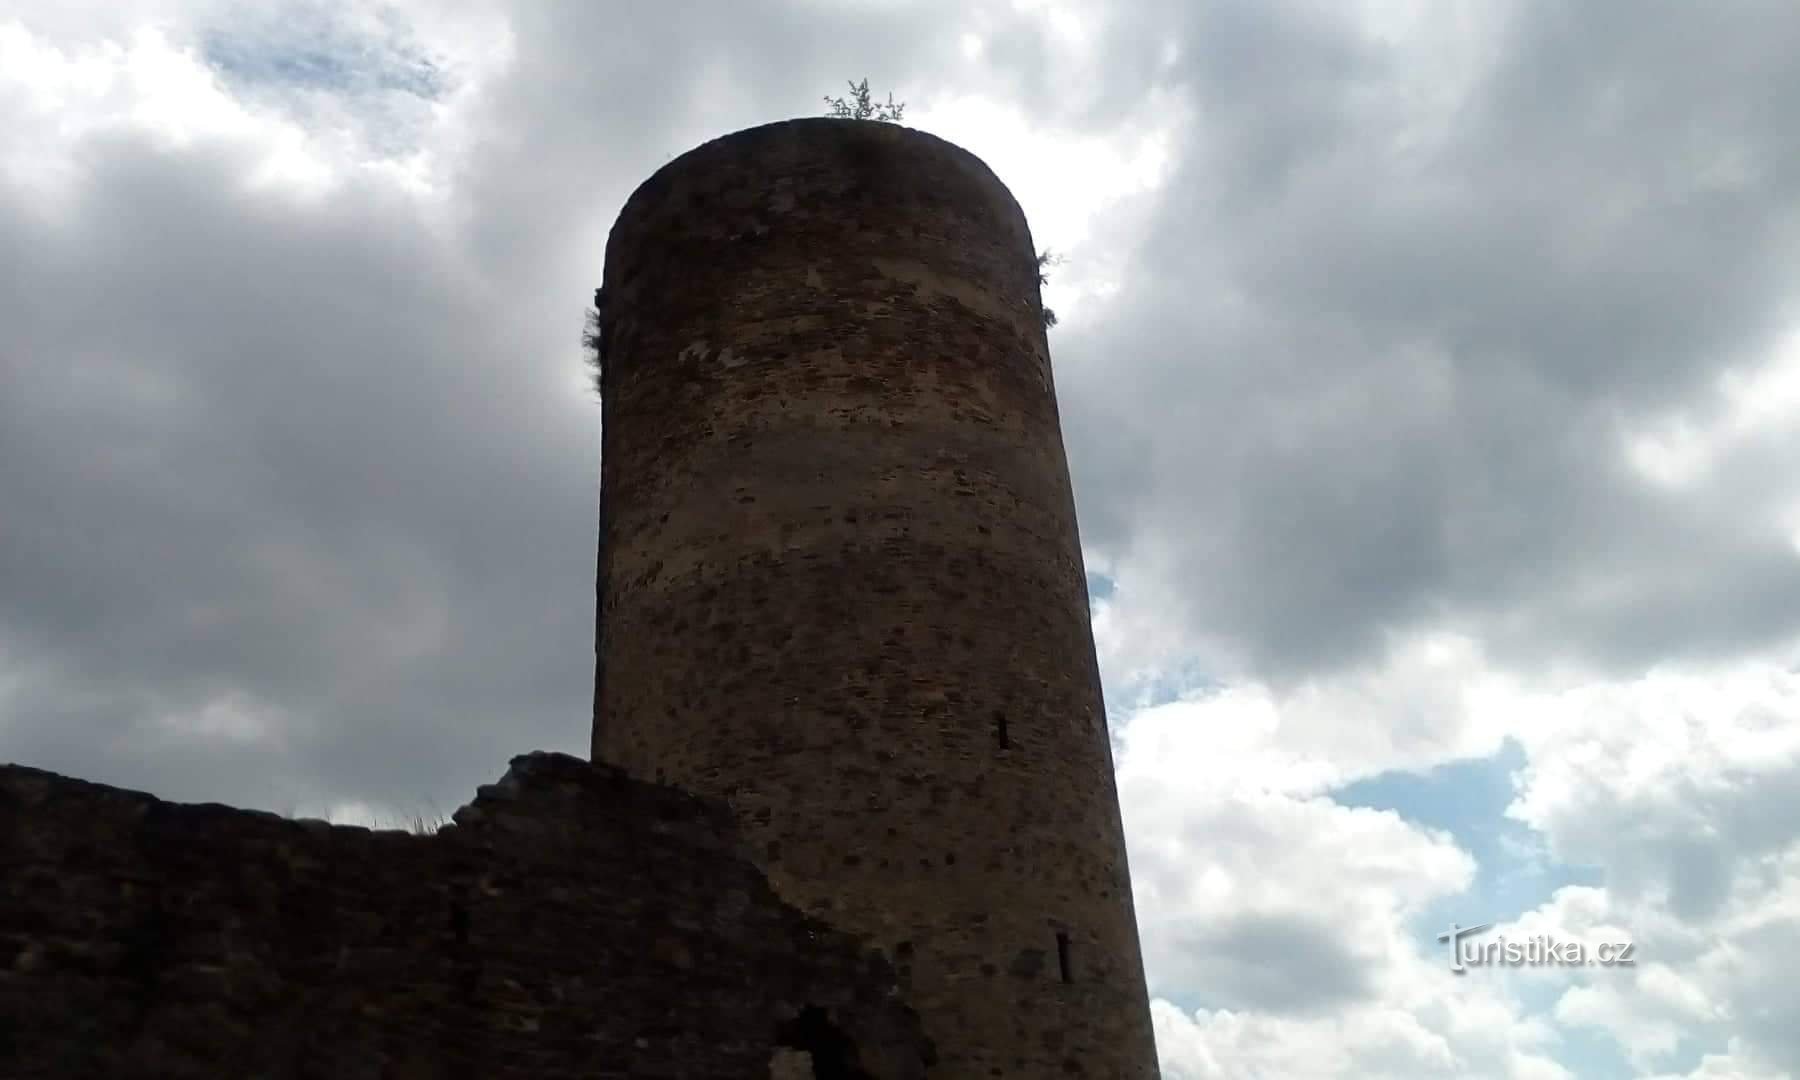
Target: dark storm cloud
{"type": "Point", "coordinates": [259, 447]}
{"type": "Point", "coordinates": [1377, 351]}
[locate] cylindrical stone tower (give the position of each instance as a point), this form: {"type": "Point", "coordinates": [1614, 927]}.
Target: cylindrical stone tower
{"type": "Point", "coordinates": [839, 580]}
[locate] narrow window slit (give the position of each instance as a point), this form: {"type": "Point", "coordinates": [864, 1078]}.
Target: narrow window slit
{"type": "Point", "coordinates": [1062, 956]}
{"type": "Point", "coordinates": [1000, 732]}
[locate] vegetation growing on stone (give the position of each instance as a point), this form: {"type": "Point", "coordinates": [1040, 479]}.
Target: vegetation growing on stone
{"type": "Point", "coordinates": [859, 106]}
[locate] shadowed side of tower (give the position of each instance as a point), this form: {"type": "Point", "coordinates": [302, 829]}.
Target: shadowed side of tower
{"type": "Point", "coordinates": [840, 584]}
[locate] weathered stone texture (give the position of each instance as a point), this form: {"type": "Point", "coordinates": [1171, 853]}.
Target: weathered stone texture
{"type": "Point", "coordinates": [573, 923]}
{"type": "Point", "coordinates": [840, 583]}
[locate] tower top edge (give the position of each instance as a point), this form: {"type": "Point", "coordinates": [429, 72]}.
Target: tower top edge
{"type": "Point", "coordinates": [821, 136]}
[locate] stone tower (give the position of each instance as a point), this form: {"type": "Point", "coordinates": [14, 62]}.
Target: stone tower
{"type": "Point", "coordinates": [840, 585]}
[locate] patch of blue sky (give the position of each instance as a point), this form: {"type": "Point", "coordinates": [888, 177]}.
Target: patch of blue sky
{"type": "Point", "coordinates": [1468, 800]}
{"type": "Point", "coordinates": [320, 69]}
{"type": "Point", "coordinates": [1126, 697]}
{"type": "Point", "coordinates": [1100, 589]}
{"type": "Point", "coordinates": [321, 60]}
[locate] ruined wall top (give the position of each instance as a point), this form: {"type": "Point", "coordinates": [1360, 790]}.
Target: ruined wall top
{"type": "Point", "coordinates": [572, 923]}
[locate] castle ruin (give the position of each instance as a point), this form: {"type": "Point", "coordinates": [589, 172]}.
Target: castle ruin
{"type": "Point", "coordinates": [851, 810]}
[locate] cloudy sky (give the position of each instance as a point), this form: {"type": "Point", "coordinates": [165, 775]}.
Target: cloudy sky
{"type": "Point", "coordinates": [1431, 376]}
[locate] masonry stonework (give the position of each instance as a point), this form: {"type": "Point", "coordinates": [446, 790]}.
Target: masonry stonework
{"type": "Point", "coordinates": [573, 923]}
{"type": "Point", "coordinates": [840, 586]}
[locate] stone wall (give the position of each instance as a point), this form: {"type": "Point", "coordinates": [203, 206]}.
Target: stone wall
{"type": "Point", "coordinates": [572, 922]}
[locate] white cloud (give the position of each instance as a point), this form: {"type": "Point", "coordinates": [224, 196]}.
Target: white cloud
{"type": "Point", "coordinates": [1751, 414]}
{"type": "Point", "coordinates": [1455, 1031]}
{"type": "Point", "coordinates": [1282, 917]}
{"type": "Point", "coordinates": [1083, 191]}
{"type": "Point", "coordinates": [1676, 774]}
{"type": "Point", "coordinates": [1683, 789]}
{"type": "Point", "coordinates": [57, 98]}
{"type": "Point", "coordinates": [1279, 917]}
{"type": "Point", "coordinates": [1432, 699]}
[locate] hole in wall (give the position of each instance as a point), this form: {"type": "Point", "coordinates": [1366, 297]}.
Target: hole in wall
{"type": "Point", "coordinates": [1062, 956]}
{"type": "Point", "coordinates": [459, 922]}
{"type": "Point", "coordinates": [815, 1037]}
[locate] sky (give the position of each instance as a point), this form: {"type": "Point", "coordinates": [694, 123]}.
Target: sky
{"type": "Point", "coordinates": [1430, 374]}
